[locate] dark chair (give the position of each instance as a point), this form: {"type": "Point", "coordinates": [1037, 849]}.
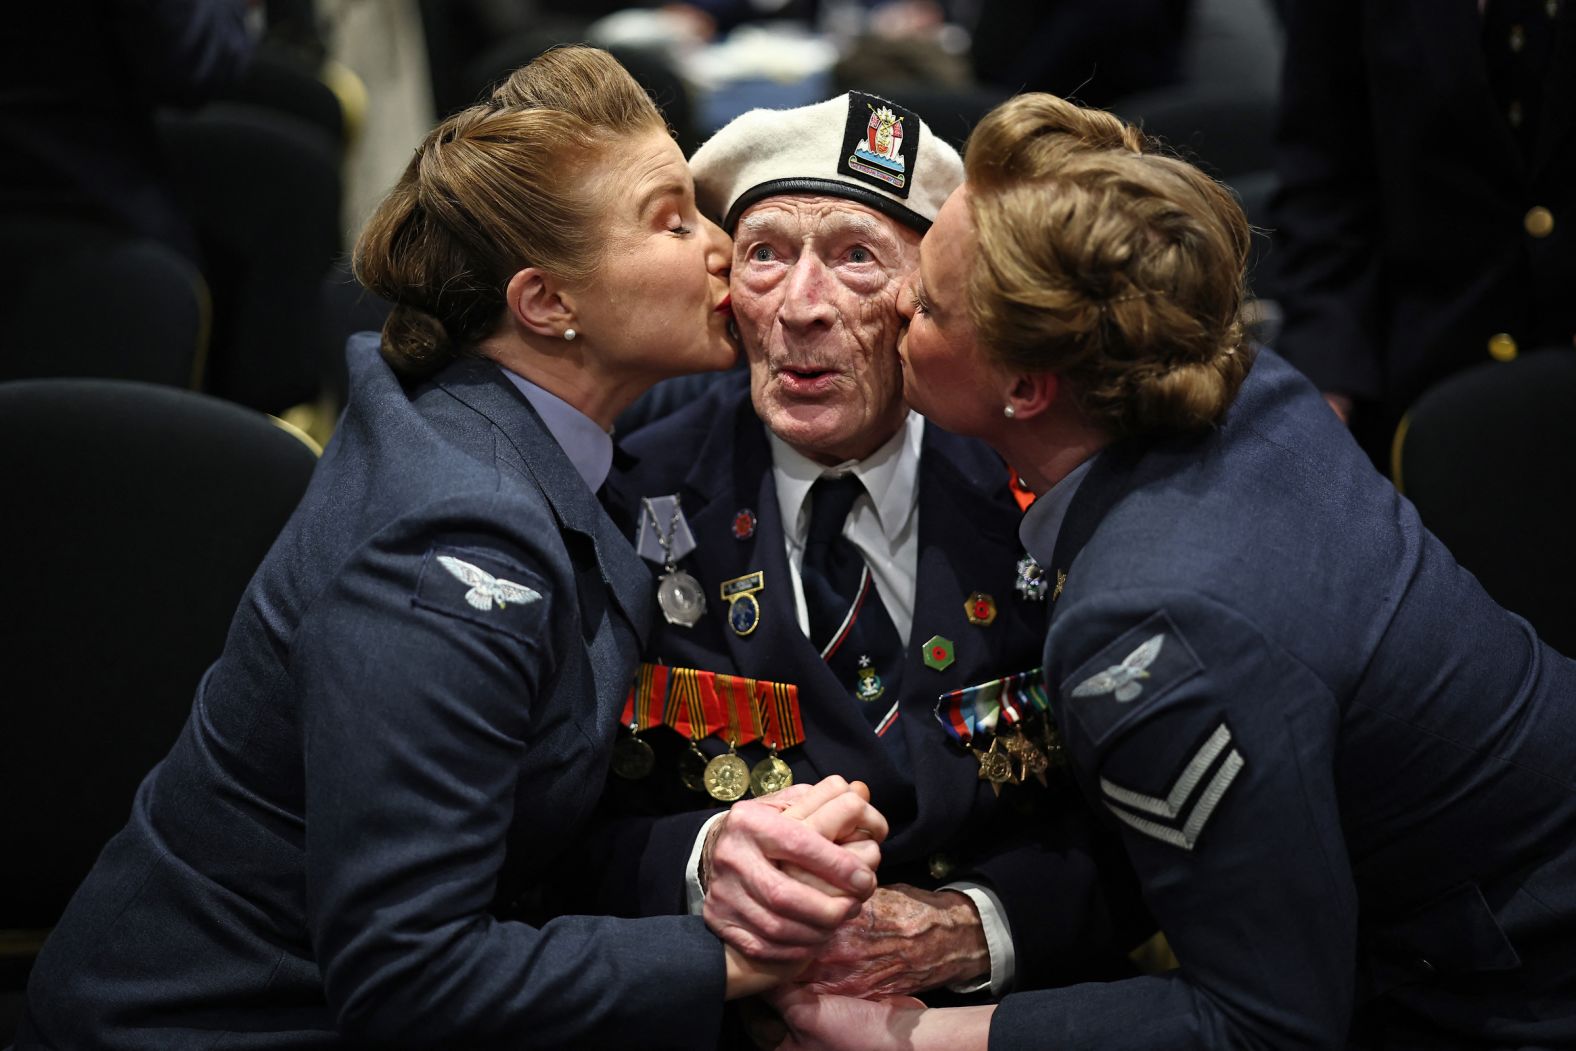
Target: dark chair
{"type": "Point", "coordinates": [78, 298]}
{"type": "Point", "coordinates": [135, 515]}
{"type": "Point", "coordinates": [1487, 457]}
{"type": "Point", "coordinates": [264, 192]}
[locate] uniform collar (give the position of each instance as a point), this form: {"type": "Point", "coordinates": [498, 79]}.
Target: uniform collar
{"type": "Point", "coordinates": [588, 446]}
{"type": "Point", "coordinates": [889, 475]}
{"type": "Point", "coordinates": [1042, 522]}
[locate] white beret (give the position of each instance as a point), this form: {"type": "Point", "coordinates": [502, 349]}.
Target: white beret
{"type": "Point", "coordinates": [856, 146]}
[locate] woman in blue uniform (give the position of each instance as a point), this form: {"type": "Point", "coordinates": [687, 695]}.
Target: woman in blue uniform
{"type": "Point", "coordinates": [1342, 773]}
{"type": "Point", "coordinates": [426, 671]}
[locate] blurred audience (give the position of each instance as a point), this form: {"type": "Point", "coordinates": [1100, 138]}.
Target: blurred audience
{"type": "Point", "coordinates": [1428, 169]}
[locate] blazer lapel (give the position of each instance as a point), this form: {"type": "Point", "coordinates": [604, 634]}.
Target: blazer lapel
{"type": "Point", "coordinates": [736, 459]}
{"type": "Point", "coordinates": [482, 386]}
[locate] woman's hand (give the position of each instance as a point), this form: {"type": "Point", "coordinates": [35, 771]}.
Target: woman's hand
{"type": "Point", "coordinates": [842, 1023]}
{"type": "Point", "coordinates": [782, 873]}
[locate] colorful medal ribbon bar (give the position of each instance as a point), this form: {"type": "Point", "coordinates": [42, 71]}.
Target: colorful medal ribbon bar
{"type": "Point", "coordinates": [778, 703]}
{"type": "Point", "coordinates": [647, 697]}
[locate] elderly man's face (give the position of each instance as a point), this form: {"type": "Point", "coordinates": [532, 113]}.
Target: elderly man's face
{"type": "Point", "coordinates": [815, 282]}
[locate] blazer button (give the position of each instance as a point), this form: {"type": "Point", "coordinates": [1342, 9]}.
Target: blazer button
{"type": "Point", "coordinates": [940, 866]}
{"type": "Point", "coordinates": [1425, 965]}
{"type": "Point", "coordinates": [1539, 221]}
{"type": "Point", "coordinates": [1502, 347]}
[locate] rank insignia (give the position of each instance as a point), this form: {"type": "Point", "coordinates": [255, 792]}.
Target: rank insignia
{"type": "Point", "coordinates": [744, 612]}
{"type": "Point", "coordinates": [870, 685]}
{"type": "Point", "coordinates": [1031, 584]}
{"type": "Point", "coordinates": [938, 653]}
{"type": "Point", "coordinates": [744, 524]}
{"type": "Point", "coordinates": [981, 609]}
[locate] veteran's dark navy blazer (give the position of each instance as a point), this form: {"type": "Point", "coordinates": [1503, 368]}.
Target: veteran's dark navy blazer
{"type": "Point", "coordinates": [376, 770]}
{"type": "Point", "coordinates": [946, 823]}
{"type": "Point", "coordinates": [1346, 778]}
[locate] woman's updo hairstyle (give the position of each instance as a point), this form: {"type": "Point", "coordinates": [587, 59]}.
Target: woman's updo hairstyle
{"type": "Point", "coordinates": [493, 189]}
{"type": "Point", "coordinates": [1118, 268]}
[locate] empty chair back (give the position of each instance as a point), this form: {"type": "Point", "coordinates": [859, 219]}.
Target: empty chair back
{"type": "Point", "coordinates": [1489, 458]}
{"type": "Point", "coordinates": [134, 517]}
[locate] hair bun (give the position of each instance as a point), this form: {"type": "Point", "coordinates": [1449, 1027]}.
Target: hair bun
{"type": "Point", "coordinates": [415, 340]}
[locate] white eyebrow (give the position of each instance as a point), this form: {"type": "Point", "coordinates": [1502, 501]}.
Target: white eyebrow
{"type": "Point", "coordinates": [843, 223]}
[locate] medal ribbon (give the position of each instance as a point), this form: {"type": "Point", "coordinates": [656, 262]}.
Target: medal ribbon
{"type": "Point", "coordinates": [643, 707]}
{"type": "Point", "coordinates": [731, 702]}
{"type": "Point", "coordinates": [977, 709]}
{"type": "Point", "coordinates": [778, 703]}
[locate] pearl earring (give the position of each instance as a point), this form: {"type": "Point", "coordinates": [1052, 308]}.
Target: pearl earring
{"type": "Point", "coordinates": [1008, 411]}
{"type": "Point", "coordinates": [569, 335]}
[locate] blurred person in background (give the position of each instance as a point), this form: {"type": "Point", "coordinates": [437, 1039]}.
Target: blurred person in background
{"type": "Point", "coordinates": [1426, 219]}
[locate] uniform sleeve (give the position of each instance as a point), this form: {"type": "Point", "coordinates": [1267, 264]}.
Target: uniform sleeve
{"type": "Point", "coordinates": [417, 680]}
{"type": "Point", "coordinates": [181, 52]}
{"type": "Point", "coordinates": [1326, 213]}
{"type": "Point", "coordinates": [1212, 751]}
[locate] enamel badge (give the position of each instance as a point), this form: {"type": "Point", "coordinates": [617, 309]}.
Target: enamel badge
{"type": "Point", "coordinates": [1031, 584]}
{"type": "Point", "coordinates": [744, 612]}
{"type": "Point", "coordinates": [881, 141]}
{"type": "Point", "coordinates": [869, 686]}
{"type": "Point", "coordinates": [980, 608]}
{"type": "Point", "coordinates": [744, 524]}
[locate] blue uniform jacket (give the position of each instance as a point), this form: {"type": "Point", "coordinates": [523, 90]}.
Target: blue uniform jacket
{"type": "Point", "coordinates": [1346, 778]}
{"type": "Point", "coordinates": [381, 763]}
{"type": "Point", "coordinates": [1032, 850]}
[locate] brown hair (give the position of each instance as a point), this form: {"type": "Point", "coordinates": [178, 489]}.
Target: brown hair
{"type": "Point", "coordinates": [1117, 267]}
{"type": "Point", "coordinates": [493, 189]}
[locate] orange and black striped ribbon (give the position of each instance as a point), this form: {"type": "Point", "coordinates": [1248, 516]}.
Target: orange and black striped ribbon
{"type": "Point", "coordinates": [779, 706]}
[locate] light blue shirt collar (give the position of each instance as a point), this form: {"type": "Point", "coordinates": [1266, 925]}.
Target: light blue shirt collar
{"type": "Point", "coordinates": [588, 446]}
{"type": "Point", "coordinates": [1042, 522]}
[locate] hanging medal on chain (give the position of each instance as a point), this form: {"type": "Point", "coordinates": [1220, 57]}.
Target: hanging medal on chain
{"type": "Point", "coordinates": [665, 538]}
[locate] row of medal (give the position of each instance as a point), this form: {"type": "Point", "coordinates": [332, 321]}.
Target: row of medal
{"type": "Point", "coordinates": [1013, 712]}
{"type": "Point", "coordinates": [699, 704]}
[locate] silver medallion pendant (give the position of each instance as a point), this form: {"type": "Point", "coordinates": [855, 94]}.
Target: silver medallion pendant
{"type": "Point", "coordinates": [680, 597]}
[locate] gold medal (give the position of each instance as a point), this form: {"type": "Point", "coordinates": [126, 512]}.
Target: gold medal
{"type": "Point", "coordinates": [770, 775]}
{"type": "Point", "coordinates": [692, 769]}
{"type": "Point", "coordinates": [1031, 761]}
{"type": "Point", "coordinates": [632, 757]}
{"type": "Point", "coordinates": [995, 766]}
{"type": "Point", "coordinates": [727, 777]}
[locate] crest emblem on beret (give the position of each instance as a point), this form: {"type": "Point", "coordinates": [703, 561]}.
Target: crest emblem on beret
{"type": "Point", "coordinates": [882, 142]}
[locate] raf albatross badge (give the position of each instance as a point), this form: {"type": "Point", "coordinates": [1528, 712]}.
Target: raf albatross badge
{"type": "Point", "coordinates": [485, 589]}
{"type": "Point", "coordinates": [1122, 679]}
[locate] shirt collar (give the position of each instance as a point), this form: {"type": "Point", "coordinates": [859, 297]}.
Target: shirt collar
{"type": "Point", "coordinates": [1042, 522]}
{"type": "Point", "coordinates": [889, 476]}
{"type": "Point", "coordinates": [588, 446]}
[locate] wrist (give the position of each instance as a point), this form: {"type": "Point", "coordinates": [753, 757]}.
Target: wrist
{"type": "Point", "coordinates": [968, 956]}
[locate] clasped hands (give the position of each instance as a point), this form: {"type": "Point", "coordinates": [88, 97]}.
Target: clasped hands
{"type": "Point", "coordinates": [791, 889]}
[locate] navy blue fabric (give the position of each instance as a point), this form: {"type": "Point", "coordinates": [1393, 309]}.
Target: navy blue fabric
{"type": "Point", "coordinates": [1032, 847]}
{"type": "Point", "coordinates": [1368, 835]}
{"type": "Point", "coordinates": [1400, 244]}
{"type": "Point", "coordinates": [381, 764]}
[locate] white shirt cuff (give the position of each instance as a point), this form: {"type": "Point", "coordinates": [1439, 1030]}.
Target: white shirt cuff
{"type": "Point", "coordinates": [998, 940]}
{"type": "Point", "coordinates": [694, 896]}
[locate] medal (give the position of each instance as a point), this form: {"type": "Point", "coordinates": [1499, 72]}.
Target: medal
{"type": "Point", "coordinates": [680, 597]}
{"type": "Point", "coordinates": [633, 758]}
{"type": "Point", "coordinates": [726, 777]}
{"type": "Point", "coordinates": [1031, 761]}
{"type": "Point", "coordinates": [678, 594]}
{"type": "Point", "coordinates": [995, 766]}
{"type": "Point", "coordinates": [744, 612]}
{"type": "Point", "coordinates": [692, 769]}
{"type": "Point", "coordinates": [770, 775]}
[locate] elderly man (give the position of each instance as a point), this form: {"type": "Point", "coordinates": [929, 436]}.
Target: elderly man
{"type": "Point", "coordinates": [831, 568]}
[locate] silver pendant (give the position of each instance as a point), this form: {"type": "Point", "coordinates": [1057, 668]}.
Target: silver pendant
{"type": "Point", "coordinates": [680, 597]}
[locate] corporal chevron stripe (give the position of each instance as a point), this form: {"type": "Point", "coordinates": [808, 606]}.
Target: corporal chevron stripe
{"type": "Point", "coordinates": [1176, 820]}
